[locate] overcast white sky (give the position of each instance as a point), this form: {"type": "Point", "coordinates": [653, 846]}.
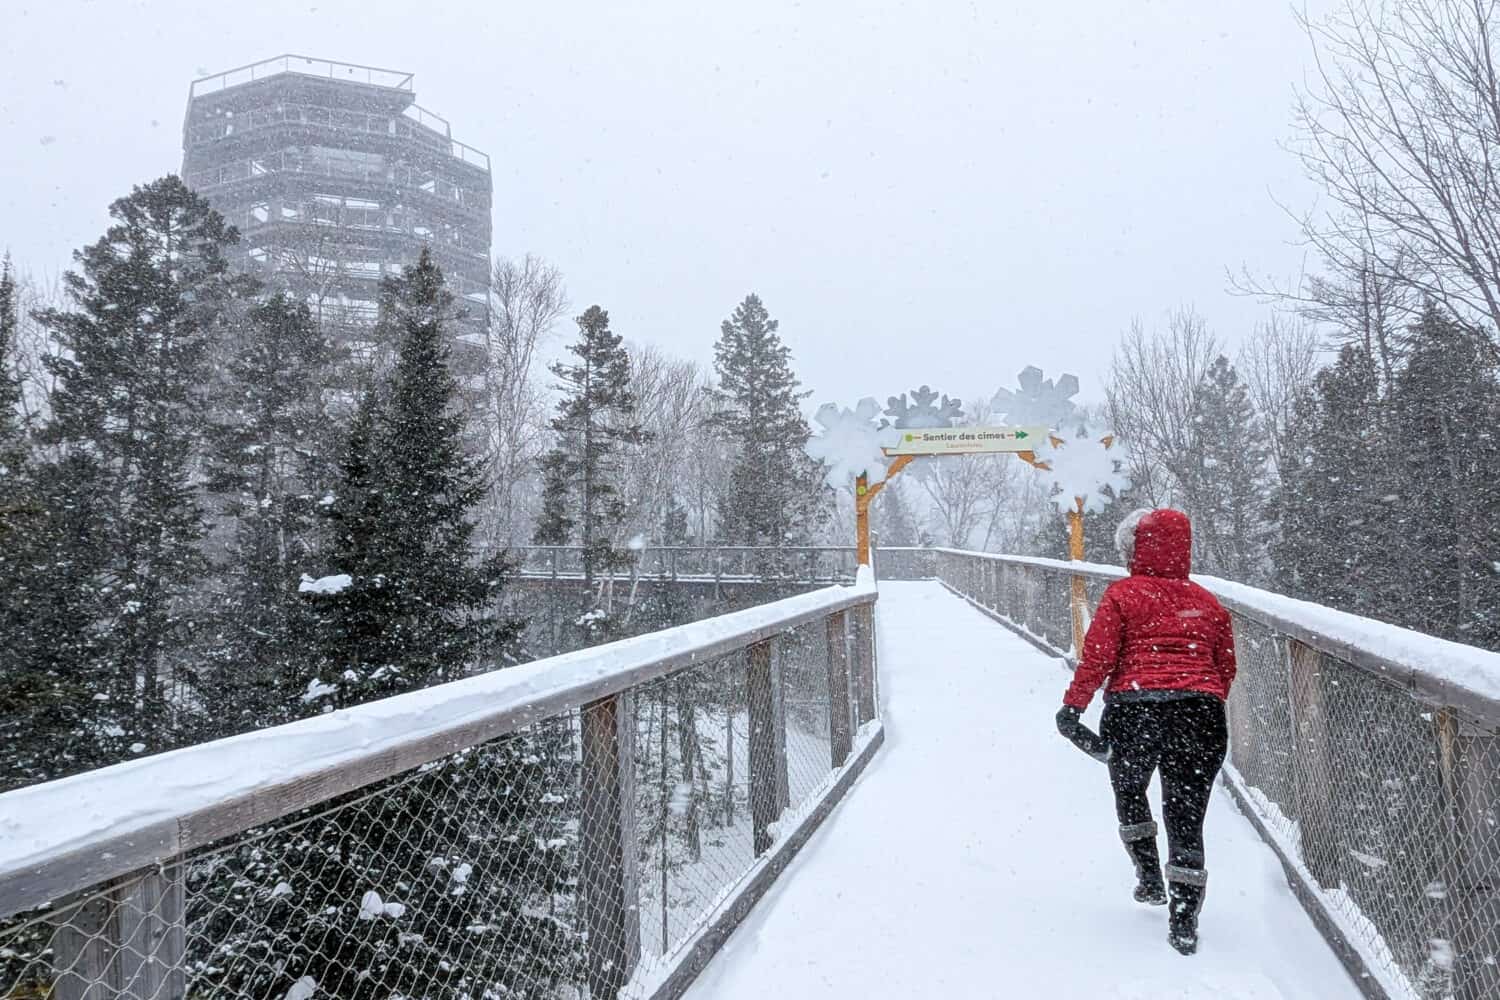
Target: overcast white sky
{"type": "Point", "coordinates": [932, 191]}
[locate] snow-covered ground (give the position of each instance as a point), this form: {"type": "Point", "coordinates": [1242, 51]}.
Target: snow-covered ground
{"type": "Point", "coordinates": [978, 857]}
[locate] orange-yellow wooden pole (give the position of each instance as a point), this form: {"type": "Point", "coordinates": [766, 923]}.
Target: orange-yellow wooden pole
{"type": "Point", "coordinates": [862, 497]}
{"type": "Point", "coordinates": [1080, 589]}
{"type": "Point", "coordinates": [864, 494]}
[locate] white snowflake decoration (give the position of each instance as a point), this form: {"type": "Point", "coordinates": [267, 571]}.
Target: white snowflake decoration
{"type": "Point", "coordinates": [921, 413]}
{"type": "Point", "coordinates": [1038, 402]}
{"type": "Point", "coordinates": [1083, 467]}
{"type": "Point", "coordinates": [850, 443]}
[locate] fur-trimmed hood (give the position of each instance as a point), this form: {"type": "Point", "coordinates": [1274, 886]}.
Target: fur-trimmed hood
{"type": "Point", "coordinates": [1156, 543]}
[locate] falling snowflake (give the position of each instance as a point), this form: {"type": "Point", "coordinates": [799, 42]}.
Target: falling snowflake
{"type": "Point", "coordinates": [1038, 401]}
{"type": "Point", "coordinates": [921, 412]}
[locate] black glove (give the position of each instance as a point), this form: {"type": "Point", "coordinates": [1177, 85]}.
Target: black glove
{"type": "Point", "coordinates": [1082, 736]}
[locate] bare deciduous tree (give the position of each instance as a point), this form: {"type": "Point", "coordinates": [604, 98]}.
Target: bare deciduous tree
{"type": "Point", "coordinates": [527, 298]}
{"type": "Point", "coordinates": [1151, 394]}
{"type": "Point", "coordinates": [1277, 363]}
{"type": "Point", "coordinates": [671, 405]}
{"type": "Point", "coordinates": [973, 499]}
{"type": "Point", "coordinates": [34, 343]}
{"type": "Point", "coordinates": [1402, 132]}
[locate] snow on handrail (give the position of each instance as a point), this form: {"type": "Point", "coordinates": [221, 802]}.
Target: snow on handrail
{"type": "Point", "coordinates": [1446, 673]}
{"type": "Point", "coordinates": [62, 836]}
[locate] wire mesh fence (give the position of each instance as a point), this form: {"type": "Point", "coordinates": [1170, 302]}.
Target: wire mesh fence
{"type": "Point", "coordinates": [898, 562]}
{"type": "Point", "coordinates": [456, 879]}
{"type": "Point", "coordinates": [1383, 801]}
{"type": "Point", "coordinates": [575, 856]}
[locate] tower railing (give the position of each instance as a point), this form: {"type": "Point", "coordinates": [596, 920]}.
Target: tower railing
{"type": "Point", "coordinates": [1366, 755]}
{"type": "Point", "coordinates": [590, 825]}
{"type": "Point", "coordinates": [305, 66]}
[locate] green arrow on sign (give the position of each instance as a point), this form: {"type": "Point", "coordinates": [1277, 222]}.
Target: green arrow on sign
{"type": "Point", "coordinates": [1021, 435]}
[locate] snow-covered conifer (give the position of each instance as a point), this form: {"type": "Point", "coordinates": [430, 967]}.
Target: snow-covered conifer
{"type": "Point", "coordinates": [775, 495]}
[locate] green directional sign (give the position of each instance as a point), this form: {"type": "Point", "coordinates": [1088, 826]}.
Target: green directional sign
{"type": "Point", "coordinates": [966, 440]}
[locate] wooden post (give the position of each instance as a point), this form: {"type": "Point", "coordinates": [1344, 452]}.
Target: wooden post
{"type": "Point", "coordinates": [153, 936]}
{"type": "Point", "coordinates": [1312, 770]}
{"type": "Point", "coordinates": [862, 519]}
{"type": "Point", "coordinates": [761, 696]}
{"type": "Point", "coordinates": [607, 849]}
{"type": "Point", "coordinates": [864, 495]}
{"type": "Point", "coordinates": [1080, 598]}
{"type": "Point", "coordinates": [129, 943]}
{"type": "Point", "coordinates": [864, 662]}
{"type": "Point", "coordinates": [84, 957]}
{"type": "Point", "coordinates": [841, 733]}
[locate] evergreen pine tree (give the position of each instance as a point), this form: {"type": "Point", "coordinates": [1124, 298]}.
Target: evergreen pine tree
{"type": "Point", "coordinates": [350, 620]}
{"type": "Point", "coordinates": [49, 720]}
{"type": "Point", "coordinates": [479, 839]}
{"type": "Point", "coordinates": [1333, 534]}
{"type": "Point", "coordinates": [1445, 407]}
{"type": "Point", "coordinates": [1233, 464]}
{"type": "Point", "coordinates": [146, 302]}
{"type": "Point", "coordinates": [267, 464]}
{"type": "Point", "coordinates": [595, 416]}
{"type": "Point", "coordinates": [774, 496]}
{"type": "Point", "coordinates": [56, 714]}
{"type": "Point", "coordinates": [413, 612]}
{"type": "Point", "coordinates": [554, 526]}
{"type": "Point", "coordinates": [894, 521]}
{"type": "Point", "coordinates": [674, 525]}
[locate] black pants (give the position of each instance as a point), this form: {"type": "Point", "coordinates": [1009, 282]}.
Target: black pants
{"type": "Point", "coordinates": [1187, 739]}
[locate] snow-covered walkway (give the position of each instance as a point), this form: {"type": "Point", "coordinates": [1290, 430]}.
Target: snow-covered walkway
{"type": "Point", "coordinates": [977, 857]}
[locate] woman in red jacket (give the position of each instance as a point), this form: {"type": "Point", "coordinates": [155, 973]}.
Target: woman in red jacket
{"type": "Point", "coordinates": [1163, 650]}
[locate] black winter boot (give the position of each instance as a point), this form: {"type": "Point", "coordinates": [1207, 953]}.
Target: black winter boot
{"type": "Point", "coordinates": [1140, 842]}
{"type": "Point", "coordinates": [1188, 886]}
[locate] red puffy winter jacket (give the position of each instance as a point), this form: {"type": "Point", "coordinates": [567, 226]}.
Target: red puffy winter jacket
{"type": "Point", "coordinates": [1156, 630]}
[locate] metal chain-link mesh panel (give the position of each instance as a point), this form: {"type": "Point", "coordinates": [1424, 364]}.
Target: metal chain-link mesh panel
{"type": "Point", "coordinates": [1262, 743]}
{"type": "Point", "coordinates": [693, 833]}
{"type": "Point", "coordinates": [456, 880]}
{"type": "Point", "coordinates": [803, 673]}
{"type": "Point", "coordinates": [1380, 851]}
{"type": "Point", "coordinates": [697, 776]}
{"type": "Point", "coordinates": [571, 859]}
{"type": "Point", "coordinates": [904, 563]}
